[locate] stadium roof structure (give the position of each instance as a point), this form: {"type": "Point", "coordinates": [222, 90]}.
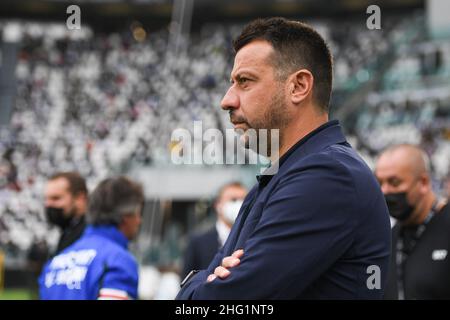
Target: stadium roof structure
{"type": "Point", "coordinates": [204, 10]}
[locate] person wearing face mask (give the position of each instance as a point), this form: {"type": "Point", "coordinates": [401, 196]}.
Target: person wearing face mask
{"type": "Point", "coordinates": [65, 206]}
{"type": "Point", "coordinates": [99, 264]}
{"type": "Point", "coordinates": [202, 247]}
{"type": "Point", "coordinates": [66, 197]}
{"type": "Point", "coordinates": [420, 266]}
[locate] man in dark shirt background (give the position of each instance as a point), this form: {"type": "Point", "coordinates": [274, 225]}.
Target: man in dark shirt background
{"type": "Point", "coordinates": [66, 198]}
{"type": "Point", "coordinates": [420, 266]}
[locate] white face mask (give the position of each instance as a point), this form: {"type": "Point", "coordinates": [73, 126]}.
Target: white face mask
{"type": "Point", "coordinates": [230, 210]}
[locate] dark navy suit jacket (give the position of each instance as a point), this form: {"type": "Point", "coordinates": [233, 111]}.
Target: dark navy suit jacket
{"type": "Point", "coordinates": [317, 229]}
{"type": "Point", "coordinates": [201, 250]}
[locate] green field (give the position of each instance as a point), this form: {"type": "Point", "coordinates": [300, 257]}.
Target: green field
{"type": "Point", "coordinates": [15, 294]}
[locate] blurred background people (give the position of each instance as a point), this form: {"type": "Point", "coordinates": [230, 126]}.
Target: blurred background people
{"type": "Point", "coordinates": [105, 99]}
{"type": "Point", "coordinates": [203, 246]}
{"type": "Point", "coordinates": [446, 188]}
{"type": "Point", "coordinates": [65, 207]}
{"type": "Point", "coordinates": [99, 265]}
{"type": "Point", "coordinates": [37, 255]}
{"type": "Point", "coordinates": [420, 266]}
{"type": "Point", "coordinates": [66, 197]}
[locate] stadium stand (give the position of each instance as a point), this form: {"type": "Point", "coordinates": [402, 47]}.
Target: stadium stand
{"type": "Point", "coordinates": [101, 103]}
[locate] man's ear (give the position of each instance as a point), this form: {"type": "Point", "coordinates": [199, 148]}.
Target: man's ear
{"type": "Point", "coordinates": [123, 224]}
{"type": "Point", "coordinates": [425, 183]}
{"type": "Point", "coordinates": [300, 85]}
{"type": "Point", "coordinates": [80, 198]}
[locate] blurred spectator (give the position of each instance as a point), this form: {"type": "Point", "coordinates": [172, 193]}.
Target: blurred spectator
{"type": "Point", "coordinates": [8, 172]}
{"type": "Point", "coordinates": [420, 266]}
{"type": "Point", "coordinates": [202, 247]}
{"type": "Point", "coordinates": [447, 187]}
{"type": "Point", "coordinates": [37, 256]}
{"type": "Point", "coordinates": [65, 206]}
{"type": "Point", "coordinates": [99, 265]}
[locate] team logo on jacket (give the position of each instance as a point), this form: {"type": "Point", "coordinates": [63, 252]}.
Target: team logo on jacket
{"type": "Point", "coordinates": [69, 269]}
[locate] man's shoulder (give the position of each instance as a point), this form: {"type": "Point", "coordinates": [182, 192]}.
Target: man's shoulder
{"type": "Point", "coordinates": [116, 256]}
{"type": "Point", "coordinates": [443, 216]}
{"type": "Point", "coordinates": [334, 158]}
{"type": "Point", "coordinates": [341, 155]}
{"type": "Point", "coordinates": [102, 245]}
{"type": "Point", "coordinates": [115, 250]}
{"type": "Point", "coordinates": [337, 169]}
{"type": "Point", "coordinates": [83, 244]}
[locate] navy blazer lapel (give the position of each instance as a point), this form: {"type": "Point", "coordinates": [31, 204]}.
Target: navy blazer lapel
{"type": "Point", "coordinates": [237, 227]}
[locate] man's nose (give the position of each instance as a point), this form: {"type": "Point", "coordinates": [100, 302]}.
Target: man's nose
{"type": "Point", "coordinates": [230, 100]}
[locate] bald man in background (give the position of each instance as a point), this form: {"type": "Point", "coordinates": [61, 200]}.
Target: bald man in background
{"type": "Point", "coordinates": [420, 265]}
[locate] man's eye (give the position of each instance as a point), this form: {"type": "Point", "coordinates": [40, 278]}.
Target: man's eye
{"type": "Point", "coordinates": [242, 80]}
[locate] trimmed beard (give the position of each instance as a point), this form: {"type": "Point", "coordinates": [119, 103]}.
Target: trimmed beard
{"type": "Point", "coordinates": [276, 116]}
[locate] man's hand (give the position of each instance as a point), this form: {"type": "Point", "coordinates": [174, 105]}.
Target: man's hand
{"type": "Point", "coordinates": [228, 262]}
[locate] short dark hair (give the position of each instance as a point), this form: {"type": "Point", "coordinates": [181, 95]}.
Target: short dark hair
{"type": "Point", "coordinates": [77, 184]}
{"type": "Point", "coordinates": [112, 199]}
{"type": "Point", "coordinates": [297, 46]}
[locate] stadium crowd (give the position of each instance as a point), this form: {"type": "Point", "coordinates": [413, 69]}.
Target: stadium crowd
{"type": "Point", "coordinates": [101, 103]}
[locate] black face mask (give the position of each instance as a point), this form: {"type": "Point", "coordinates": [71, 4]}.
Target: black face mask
{"type": "Point", "coordinates": [398, 206]}
{"type": "Point", "coordinates": [56, 216]}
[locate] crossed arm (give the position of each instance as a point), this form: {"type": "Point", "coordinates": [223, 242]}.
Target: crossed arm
{"type": "Point", "coordinates": [223, 271]}
{"type": "Point", "coordinates": [298, 237]}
